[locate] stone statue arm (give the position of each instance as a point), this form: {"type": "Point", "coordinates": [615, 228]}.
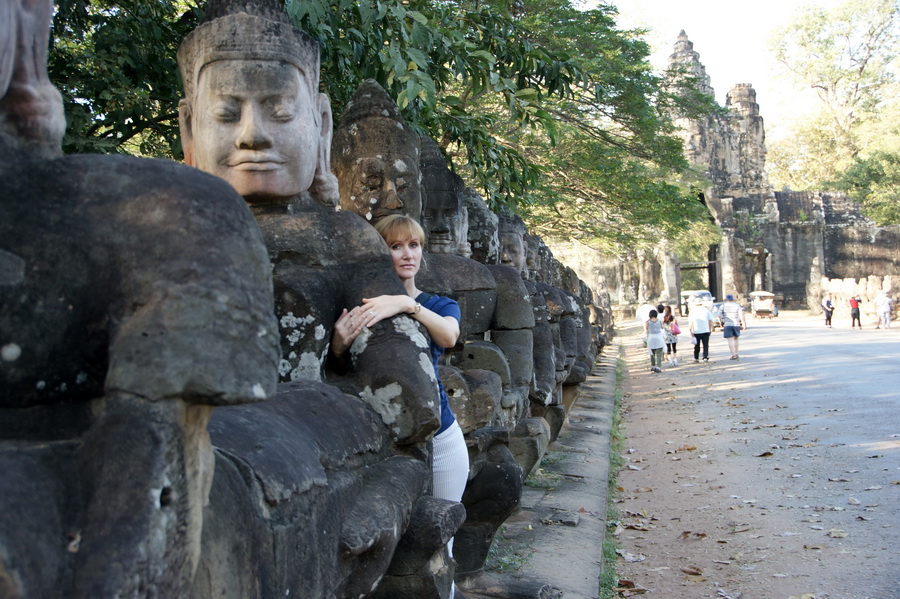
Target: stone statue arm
{"type": "Point", "coordinates": [191, 326]}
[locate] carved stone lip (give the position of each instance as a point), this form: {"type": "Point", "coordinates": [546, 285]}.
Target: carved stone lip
{"type": "Point", "coordinates": [253, 160]}
{"type": "Point", "coordinates": [438, 243]}
{"type": "Point", "coordinates": [257, 166]}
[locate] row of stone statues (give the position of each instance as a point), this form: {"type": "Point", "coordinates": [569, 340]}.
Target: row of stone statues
{"type": "Point", "coordinates": [137, 295]}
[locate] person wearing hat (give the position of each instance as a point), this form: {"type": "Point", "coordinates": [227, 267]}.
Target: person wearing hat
{"type": "Point", "coordinates": [700, 321]}
{"type": "Point", "coordinates": [733, 322]}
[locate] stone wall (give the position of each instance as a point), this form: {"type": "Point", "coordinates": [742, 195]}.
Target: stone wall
{"type": "Point", "coordinates": [866, 290]}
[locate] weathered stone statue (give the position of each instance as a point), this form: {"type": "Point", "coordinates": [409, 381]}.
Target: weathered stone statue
{"type": "Point", "coordinates": [482, 228]}
{"type": "Point", "coordinates": [276, 154]}
{"type": "Point", "coordinates": [376, 157]}
{"type": "Point", "coordinates": [135, 296]}
{"type": "Point", "coordinates": [445, 217]}
{"type": "Point", "coordinates": [316, 457]}
{"type": "Point", "coordinates": [513, 249]}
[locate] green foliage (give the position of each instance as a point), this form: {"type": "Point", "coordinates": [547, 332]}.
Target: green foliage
{"type": "Point", "coordinates": [809, 158]}
{"type": "Point", "coordinates": [875, 183]}
{"type": "Point", "coordinates": [539, 106]}
{"type": "Point", "coordinates": [114, 63]}
{"type": "Point", "coordinates": [848, 56]}
{"type": "Point", "coordinates": [616, 176]}
{"type": "Point", "coordinates": [541, 479]}
{"type": "Point", "coordinates": [505, 555]}
{"type": "Point", "coordinates": [609, 577]}
{"type": "Point", "coordinates": [458, 74]}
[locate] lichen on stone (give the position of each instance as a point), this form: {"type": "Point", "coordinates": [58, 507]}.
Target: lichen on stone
{"type": "Point", "coordinates": [407, 326]}
{"type": "Point", "coordinates": [382, 401]}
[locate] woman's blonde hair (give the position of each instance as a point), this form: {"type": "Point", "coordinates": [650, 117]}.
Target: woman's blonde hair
{"type": "Point", "coordinates": [400, 227]}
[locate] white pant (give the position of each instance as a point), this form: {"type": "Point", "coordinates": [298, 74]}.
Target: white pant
{"type": "Point", "coordinates": [451, 466]}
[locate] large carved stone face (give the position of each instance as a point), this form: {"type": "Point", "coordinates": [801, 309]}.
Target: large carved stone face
{"type": "Point", "coordinates": [513, 251]}
{"type": "Point", "coordinates": [380, 184]}
{"type": "Point", "coordinates": [443, 215]}
{"type": "Point", "coordinates": [254, 124]}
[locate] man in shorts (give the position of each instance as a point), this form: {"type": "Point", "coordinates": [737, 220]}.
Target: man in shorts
{"type": "Point", "coordinates": [733, 322]}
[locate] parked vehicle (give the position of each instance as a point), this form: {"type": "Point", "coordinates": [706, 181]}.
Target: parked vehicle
{"type": "Point", "coordinates": [689, 297]}
{"type": "Point", "coordinates": [762, 304]}
{"type": "Point", "coordinates": [716, 312]}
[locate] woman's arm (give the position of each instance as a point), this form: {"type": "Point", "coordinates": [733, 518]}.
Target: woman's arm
{"type": "Point", "coordinates": [444, 330]}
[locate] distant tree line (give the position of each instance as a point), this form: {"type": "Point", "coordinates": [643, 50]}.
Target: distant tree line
{"type": "Point", "coordinates": [848, 56]}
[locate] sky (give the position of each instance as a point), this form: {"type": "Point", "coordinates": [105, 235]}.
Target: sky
{"type": "Point", "coordinates": [732, 40]}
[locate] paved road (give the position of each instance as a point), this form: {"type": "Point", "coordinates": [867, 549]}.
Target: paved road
{"type": "Point", "coordinates": [799, 438]}
{"type": "Point", "coordinates": [853, 373]}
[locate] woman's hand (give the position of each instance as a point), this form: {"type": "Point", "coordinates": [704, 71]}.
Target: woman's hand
{"type": "Point", "coordinates": [346, 329]}
{"type": "Point", "coordinates": [375, 309]}
{"type": "Point", "coordinates": [350, 323]}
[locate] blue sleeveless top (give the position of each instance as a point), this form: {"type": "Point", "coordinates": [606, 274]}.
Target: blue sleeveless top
{"type": "Point", "coordinates": [443, 306]}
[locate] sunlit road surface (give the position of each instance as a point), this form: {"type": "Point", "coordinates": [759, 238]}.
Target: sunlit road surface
{"type": "Point", "coordinates": [846, 380]}
{"type": "Point", "coordinates": [803, 433]}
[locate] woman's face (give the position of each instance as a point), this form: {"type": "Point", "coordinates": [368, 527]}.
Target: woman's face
{"type": "Point", "coordinates": [407, 257]}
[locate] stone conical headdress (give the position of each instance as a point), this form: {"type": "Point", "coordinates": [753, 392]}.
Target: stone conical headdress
{"type": "Point", "coordinates": [246, 30]}
{"type": "Point", "coordinates": [384, 125]}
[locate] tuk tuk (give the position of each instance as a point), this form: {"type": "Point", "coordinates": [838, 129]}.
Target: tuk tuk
{"type": "Point", "coordinates": [762, 304]}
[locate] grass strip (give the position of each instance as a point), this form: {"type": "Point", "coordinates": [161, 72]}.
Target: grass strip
{"type": "Point", "coordinates": [609, 576]}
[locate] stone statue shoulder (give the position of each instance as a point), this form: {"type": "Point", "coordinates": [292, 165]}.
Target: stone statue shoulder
{"type": "Point", "coordinates": [136, 270]}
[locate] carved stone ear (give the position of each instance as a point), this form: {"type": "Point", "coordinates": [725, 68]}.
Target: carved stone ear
{"type": "Point", "coordinates": [185, 123]}
{"type": "Point", "coordinates": [31, 108]}
{"type": "Point", "coordinates": [324, 187]}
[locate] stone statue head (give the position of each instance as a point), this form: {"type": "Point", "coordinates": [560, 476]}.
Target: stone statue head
{"type": "Point", "coordinates": [444, 214]}
{"type": "Point", "coordinates": [253, 114]}
{"type": "Point", "coordinates": [533, 262]}
{"type": "Point", "coordinates": [375, 156]}
{"type": "Point", "coordinates": [513, 249]}
{"type": "Point", "coordinates": [482, 231]}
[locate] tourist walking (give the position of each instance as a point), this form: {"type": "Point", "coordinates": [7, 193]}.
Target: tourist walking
{"type": "Point", "coordinates": [656, 341]}
{"type": "Point", "coordinates": [671, 330]}
{"type": "Point", "coordinates": [885, 307]}
{"type": "Point", "coordinates": [700, 325]}
{"type": "Point", "coordinates": [854, 312]}
{"type": "Point", "coordinates": [827, 309]}
{"type": "Point", "coordinates": [733, 322]}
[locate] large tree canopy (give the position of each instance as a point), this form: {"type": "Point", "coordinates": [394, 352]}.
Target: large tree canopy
{"type": "Point", "coordinates": [848, 56]}
{"type": "Point", "coordinates": [540, 106]}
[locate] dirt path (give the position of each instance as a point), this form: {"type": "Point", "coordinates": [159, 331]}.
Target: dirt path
{"type": "Point", "coordinates": [774, 477]}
